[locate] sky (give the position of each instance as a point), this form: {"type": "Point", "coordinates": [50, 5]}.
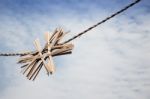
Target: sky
{"type": "Point", "coordinates": [109, 62]}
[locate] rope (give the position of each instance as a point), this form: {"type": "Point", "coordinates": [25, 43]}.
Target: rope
{"type": "Point", "coordinates": [81, 33]}
{"type": "Point", "coordinates": [103, 21]}
{"type": "Point", "coordinates": [15, 54]}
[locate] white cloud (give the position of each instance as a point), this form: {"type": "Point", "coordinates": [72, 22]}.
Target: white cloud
{"type": "Point", "coordinates": [111, 61]}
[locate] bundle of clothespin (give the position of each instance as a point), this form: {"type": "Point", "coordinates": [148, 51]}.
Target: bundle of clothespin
{"type": "Point", "coordinates": [33, 62]}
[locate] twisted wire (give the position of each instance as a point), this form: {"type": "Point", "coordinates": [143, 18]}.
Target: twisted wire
{"type": "Point", "coordinates": [15, 54]}
{"type": "Point", "coordinates": [103, 21]}
{"type": "Point", "coordinates": [81, 33]}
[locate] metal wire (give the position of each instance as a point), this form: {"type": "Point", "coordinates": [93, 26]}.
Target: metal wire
{"type": "Point", "coordinates": [15, 54]}
{"type": "Point", "coordinates": [81, 33]}
{"type": "Point", "coordinates": [103, 21]}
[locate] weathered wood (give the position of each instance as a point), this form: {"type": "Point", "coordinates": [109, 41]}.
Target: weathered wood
{"type": "Point", "coordinates": [43, 57]}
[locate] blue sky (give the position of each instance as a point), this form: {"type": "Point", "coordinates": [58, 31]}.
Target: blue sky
{"type": "Point", "coordinates": [110, 61]}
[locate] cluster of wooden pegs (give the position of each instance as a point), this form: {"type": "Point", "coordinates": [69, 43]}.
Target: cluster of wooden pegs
{"type": "Point", "coordinates": [33, 62]}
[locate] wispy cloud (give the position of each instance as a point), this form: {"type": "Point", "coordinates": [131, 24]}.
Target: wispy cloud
{"type": "Point", "coordinates": [111, 61]}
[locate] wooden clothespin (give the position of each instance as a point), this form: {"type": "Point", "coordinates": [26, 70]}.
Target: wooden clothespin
{"type": "Point", "coordinates": [43, 57]}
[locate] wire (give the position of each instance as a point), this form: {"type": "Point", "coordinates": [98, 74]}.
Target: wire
{"type": "Point", "coordinates": [15, 54]}
{"type": "Point", "coordinates": [81, 33]}
{"type": "Point", "coordinates": [101, 22]}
